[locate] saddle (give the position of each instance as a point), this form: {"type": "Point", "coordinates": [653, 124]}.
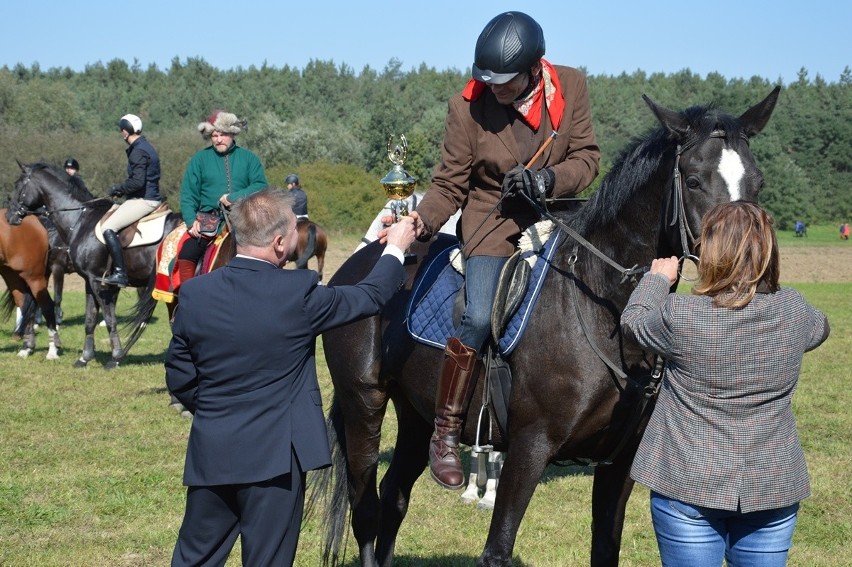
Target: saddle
{"type": "Point", "coordinates": [437, 302]}
{"type": "Point", "coordinates": [167, 279]}
{"type": "Point", "coordinates": [147, 230]}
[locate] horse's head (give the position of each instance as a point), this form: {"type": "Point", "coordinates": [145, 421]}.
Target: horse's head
{"type": "Point", "coordinates": [713, 163]}
{"type": "Point", "coordinates": [26, 197]}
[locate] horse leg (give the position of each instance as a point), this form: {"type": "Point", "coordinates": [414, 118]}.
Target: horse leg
{"type": "Point", "coordinates": [410, 457]}
{"type": "Point", "coordinates": [47, 308]}
{"type": "Point", "coordinates": [611, 489]}
{"type": "Point", "coordinates": [58, 285]}
{"type": "Point", "coordinates": [363, 412]}
{"type": "Point", "coordinates": [108, 298]}
{"type": "Point", "coordinates": [91, 320]}
{"type": "Point", "coordinates": [477, 466]}
{"type": "Point", "coordinates": [492, 471]}
{"type": "Point", "coordinates": [525, 462]}
{"type": "Point", "coordinates": [320, 264]}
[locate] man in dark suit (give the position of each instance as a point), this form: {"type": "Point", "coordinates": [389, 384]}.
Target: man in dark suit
{"type": "Point", "coordinates": [242, 360]}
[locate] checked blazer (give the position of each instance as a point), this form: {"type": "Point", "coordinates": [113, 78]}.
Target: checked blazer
{"type": "Point", "coordinates": [722, 434]}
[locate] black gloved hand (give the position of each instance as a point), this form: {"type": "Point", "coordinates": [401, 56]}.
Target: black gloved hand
{"type": "Point", "coordinates": [116, 190]}
{"type": "Point", "coordinates": [538, 184]}
{"type": "Point", "coordinates": [513, 181]}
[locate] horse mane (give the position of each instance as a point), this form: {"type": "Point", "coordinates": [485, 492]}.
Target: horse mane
{"type": "Point", "coordinates": [75, 185]}
{"type": "Point", "coordinates": [642, 158]}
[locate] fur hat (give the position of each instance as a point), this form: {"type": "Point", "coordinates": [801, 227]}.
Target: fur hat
{"type": "Point", "coordinates": [221, 121]}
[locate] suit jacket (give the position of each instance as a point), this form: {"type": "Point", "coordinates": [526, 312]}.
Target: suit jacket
{"type": "Point", "coordinates": [722, 434]}
{"type": "Point", "coordinates": [242, 360]}
{"type": "Point", "coordinates": [483, 140]}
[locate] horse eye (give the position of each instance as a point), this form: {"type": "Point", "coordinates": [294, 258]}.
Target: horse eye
{"type": "Point", "coordinates": [692, 182]}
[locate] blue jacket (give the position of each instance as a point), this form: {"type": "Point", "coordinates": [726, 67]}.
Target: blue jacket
{"type": "Point", "coordinates": [242, 359]}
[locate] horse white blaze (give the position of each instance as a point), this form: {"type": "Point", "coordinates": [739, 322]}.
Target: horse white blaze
{"type": "Point", "coordinates": [731, 169]}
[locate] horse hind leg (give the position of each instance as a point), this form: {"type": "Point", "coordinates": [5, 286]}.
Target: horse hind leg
{"type": "Point", "coordinates": [610, 491]}
{"type": "Point", "coordinates": [410, 459]}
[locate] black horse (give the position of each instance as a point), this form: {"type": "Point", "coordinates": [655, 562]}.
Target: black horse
{"type": "Point", "coordinates": [578, 385]}
{"type": "Point", "coordinates": [75, 212]}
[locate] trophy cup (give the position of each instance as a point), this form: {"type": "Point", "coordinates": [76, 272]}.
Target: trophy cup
{"type": "Point", "coordinates": [398, 184]}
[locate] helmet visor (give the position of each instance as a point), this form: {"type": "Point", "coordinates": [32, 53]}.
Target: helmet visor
{"type": "Point", "coordinates": [490, 77]}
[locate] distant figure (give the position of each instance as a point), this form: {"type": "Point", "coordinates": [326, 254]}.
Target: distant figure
{"type": "Point", "coordinates": [801, 229]}
{"type": "Point", "coordinates": [844, 231]}
{"type": "Point", "coordinates": [300, 198]}
{"type": "Point", "coordinates": [71, 167]}
{"type": "Point", "coordinates": [372, 234]}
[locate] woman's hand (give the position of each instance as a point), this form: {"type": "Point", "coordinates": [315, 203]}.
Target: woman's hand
{"type": "Point", "coordinates": [666, 266]}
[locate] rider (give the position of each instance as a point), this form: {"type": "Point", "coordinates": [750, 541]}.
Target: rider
{"type": "Point", "coordinates": [514, 102]}
{"type": "Point", "coordinates": [300, 198]}
{"type": "Point", "coordinates": [71, 167]}
{"type": "Point", "coordinates": [142, 188]}
{"type": "Point", "coordinates": [221, 173]}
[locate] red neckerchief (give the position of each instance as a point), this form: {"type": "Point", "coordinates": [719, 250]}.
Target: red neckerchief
{"type": "Point", "coordinates": [548, 91]}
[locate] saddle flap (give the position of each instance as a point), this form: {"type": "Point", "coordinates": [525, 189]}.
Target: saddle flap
{"type": "Point", "coordinates": [511, 288]}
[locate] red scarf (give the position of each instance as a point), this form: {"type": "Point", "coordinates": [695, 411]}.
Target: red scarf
{"type": "Point", "coordinates": [548, 91]}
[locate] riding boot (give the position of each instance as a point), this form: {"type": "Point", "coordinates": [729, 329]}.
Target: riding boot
{"type": "Point", "coordinates": [454, 387]}
{"type": "Point", "coordinates": [185, 269]}
{"type": "Point", "coordinates": [118, 277]}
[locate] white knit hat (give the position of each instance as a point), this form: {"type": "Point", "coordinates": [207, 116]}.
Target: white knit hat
{"type": "Point", "coordinates": [221, 121]}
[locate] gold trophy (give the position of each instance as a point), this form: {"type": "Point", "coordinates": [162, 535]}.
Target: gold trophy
{"type": "Point", "coordinates": [398, 184]}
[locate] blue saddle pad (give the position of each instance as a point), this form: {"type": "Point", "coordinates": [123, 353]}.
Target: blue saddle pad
{"type": "Point", "coordinates": [430, 310]}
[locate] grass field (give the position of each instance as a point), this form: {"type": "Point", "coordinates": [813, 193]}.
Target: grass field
{"type": "Point", "coordinates": [91, 460]}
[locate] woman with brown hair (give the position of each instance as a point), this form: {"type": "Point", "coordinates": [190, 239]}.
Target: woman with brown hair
{"type": "Point", "coordinates": [721, 454]}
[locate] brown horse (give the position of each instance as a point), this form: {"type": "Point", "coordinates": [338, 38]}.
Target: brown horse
{"type": "Point", "coordinates": [23, 265]}
{"type": "Point", "coordinates": [313, 241]}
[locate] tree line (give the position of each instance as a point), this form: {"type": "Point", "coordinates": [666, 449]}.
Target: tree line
{"type": "Point", "coordinates": [331, 125]}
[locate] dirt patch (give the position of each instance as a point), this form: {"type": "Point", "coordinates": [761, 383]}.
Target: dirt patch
{"type": "Point", "coordinates": [812, 264]}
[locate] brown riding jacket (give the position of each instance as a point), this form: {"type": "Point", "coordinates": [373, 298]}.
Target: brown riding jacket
{"type": "Point", "coordinates": [483, 140]}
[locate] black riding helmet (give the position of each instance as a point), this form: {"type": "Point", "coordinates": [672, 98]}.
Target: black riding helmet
{"type": "Point", "coordinates": [72, 163]}
{"type": "Point", "coordinates": [292, 178]}
{"type": "Point", "coordinates": [510, 44]}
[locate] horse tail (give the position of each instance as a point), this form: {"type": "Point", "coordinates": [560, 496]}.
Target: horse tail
{"type": "Point", "coordinates": [28, 309]}
{"type": "Point", "coordinates": [7, 305]}
{"type": "Point", "coordinates": [310, 247]}
{"type": "Point", "coordinates": [140, 315]}
{"type": "Point", "coordinates": [331, 487]}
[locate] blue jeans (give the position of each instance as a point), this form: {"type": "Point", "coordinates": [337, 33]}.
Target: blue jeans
{"type": "Point", "coordinates": [481, 274]}
{"type": "Point", "coordinates": [695, 536]}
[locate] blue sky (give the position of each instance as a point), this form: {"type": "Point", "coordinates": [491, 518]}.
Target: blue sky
{"type": "Point", "coordinates": [739, 39]}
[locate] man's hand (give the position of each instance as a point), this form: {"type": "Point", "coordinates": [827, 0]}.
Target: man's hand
{"type": "Point", "coordinates": [383, 234]}
{"type": "Point", "coordinates": [225, 201]}
{"type": "Point", "coordinates": [194, 229]}
{"type": "Point", "coordinates": [116, 190]}
{"type": "Point", "coordinates": [401, 234]}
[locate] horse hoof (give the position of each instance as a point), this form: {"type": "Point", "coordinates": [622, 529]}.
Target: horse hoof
{"type": "Point", "coordinates": [486, 503]}
{"type": "Point", "coordinates": [186, 414]}
{"type": "Point", "coordinates": [52, 356]}
{"type": "Point", "coordinates": [80, 363]}
{"type": "Point", "coordinates": [24, 353]}
{"type": "Point", "coordinates": [177, 406]}
{"type": "Point", "coordinates": [470, 495]}
{"type": "Point", "coordinates": [112, 364]}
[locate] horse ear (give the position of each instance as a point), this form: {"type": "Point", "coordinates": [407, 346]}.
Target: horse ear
{"type": "Point", "coordinates": [754, 119]}
{"type": "Point", "coordinates": [674, 122]}
{"type": "Point", "coordinates": [22, 166]}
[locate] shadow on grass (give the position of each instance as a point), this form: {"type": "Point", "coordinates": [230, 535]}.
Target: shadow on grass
{"type": "Point", "coordinates": [453, 560]}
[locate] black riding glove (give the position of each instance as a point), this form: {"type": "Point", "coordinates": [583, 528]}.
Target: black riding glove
{"type": "Point", "coordinates": [538, 184]}
{"type": "Point", "coordinates": [116, 190]}
{"type": "Point", "coordinates": [513, 182]}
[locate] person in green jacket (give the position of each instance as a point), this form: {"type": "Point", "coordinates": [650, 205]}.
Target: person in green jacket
{"type": "Point", "coordinates": [220, 174]}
